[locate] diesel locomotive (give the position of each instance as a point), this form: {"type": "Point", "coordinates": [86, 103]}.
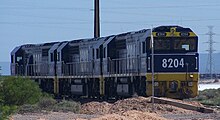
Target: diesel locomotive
{"type": "Point", "coordinates": [114, 66]}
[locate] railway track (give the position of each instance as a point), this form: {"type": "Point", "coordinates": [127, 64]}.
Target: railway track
{"type": "Point", "coordinates": [202, 116]}
{"type": "Point", "coordinates": [183, 105]}
{"type": "Point", "coordinates": [205, 113]}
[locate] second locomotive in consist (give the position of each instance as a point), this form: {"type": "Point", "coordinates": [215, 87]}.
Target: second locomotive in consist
{"type": "Point", "coordinates": [114, 66]}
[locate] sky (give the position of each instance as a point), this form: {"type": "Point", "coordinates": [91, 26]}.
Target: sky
{"type": "Point", "coordinates": [41, 21]}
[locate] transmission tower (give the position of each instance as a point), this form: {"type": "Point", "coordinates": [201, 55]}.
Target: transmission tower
{"type": "Point", "coordinates": [210, 63]}
{"type": "Point", "coordinates": [0, 70]}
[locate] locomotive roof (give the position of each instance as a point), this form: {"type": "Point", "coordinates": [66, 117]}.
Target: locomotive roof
{"type": "Point", "coordinates": [167, 29]}
{"type": "Point", "coordinates": [15, 50]}
{"type": "Point", "coordinates": [55, 46]}
{"type": "Point", "coordinates": [156, 29]}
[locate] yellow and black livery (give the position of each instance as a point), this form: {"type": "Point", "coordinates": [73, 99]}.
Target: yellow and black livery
{"type": "Point", "coordinates": [176, 68]}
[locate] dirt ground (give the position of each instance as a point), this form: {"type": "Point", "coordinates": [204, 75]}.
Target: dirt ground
{"type": "Point", "coordinates": [138, 108]}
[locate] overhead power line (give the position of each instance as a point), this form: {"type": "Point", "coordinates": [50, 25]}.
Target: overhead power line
{"type": "Point", "coordinates": [49, 23]}
{"type": "Point", "coordinates": [110, 22]}
{"type": "Point", "coordinates": [46, 8]}
{"type": "Point", "coordinates": [166, 6]}
{"type": "Point", "coordinates": [129, 7]}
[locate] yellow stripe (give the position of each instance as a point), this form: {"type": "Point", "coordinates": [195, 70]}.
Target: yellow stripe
{"type": "Point", "coordinates": [56, 85]}
{"type": "Point", "coordinates": [171, 76]}
{"type": "Point", "coordinates": [102, 85]}
{"type": "Point", "coordinates": [175, 34]}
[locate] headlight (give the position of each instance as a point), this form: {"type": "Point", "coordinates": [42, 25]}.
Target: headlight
{"type": "Point", "coordinates": [156, 84]}
{"type": "Point", "coordinates": [190, 84]}
{"type": "Point", "coordinates": [191, 76]}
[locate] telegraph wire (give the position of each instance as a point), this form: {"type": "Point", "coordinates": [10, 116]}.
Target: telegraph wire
{"type": "Point", "coordinates": [45, 8]}
{"type": "Point", "coordinates": [131, 7]}
{"type": "Point", "coordinates": [111, 22]}
{"type": "Point", "coordinates": [49, 23]}
{"type": "Point", "coordinates": [168, 6]}
{"type": "Point", "coordinates": [141, 14]}
{"type": "Point", "coordinates": [47, 17]}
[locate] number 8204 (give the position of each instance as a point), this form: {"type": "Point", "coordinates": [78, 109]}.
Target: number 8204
{"type": "Point", "coordinates": [172, 63]}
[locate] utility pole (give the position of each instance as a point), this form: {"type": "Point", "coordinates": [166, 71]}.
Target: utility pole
{"type": "Point", "coordinates": [152, 66]}
{"type": "Point", "coordinates": [209, 66]}
{"type": "Point", "coordinates": [96, 20]}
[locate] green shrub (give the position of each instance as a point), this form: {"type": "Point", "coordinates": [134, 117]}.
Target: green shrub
{"type": "Point", "coordinates": [19, 91]}
{"type": "Point", "coordinates": [66, 106]}
{"type": "Point", "coordinates": [209, 97]}
{"type": "Point", "coordinates": [6, 110]}
{"type": "Point", "coordinates": [15, 92]}
{"type": "Point", "coordinates": [47, 95]}
{"type": "Point", "coordinates": [46, 103]}
{"type": "Point", "coordinates": [27, 108]}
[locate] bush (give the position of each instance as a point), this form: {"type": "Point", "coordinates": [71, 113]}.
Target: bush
{"type": "Point", "coordinates": [19, 91]}
{"type": "Point", "coordinates": [15, 92]}
{"type": "Point", "coordinates": [46, 103]}
{"type": "Point", "coordinates": [209, 97]}
{"type": "Point", "coordinates": [25, 95]}
{"type": "Point", "coordinates": [27, 108]}
{"type": "Point", "coordinates": [6, 110]}
{"type": "Point", "coordinates": [66, 106]}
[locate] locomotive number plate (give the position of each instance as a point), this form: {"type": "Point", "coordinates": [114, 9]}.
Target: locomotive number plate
{"type": "Point", "coordinates": [174, 63]}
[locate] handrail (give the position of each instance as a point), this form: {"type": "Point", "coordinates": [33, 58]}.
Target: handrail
{"type": "Point", "coordinates": [85, 68]}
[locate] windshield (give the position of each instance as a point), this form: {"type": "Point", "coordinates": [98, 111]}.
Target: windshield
{"type": "Point", "coordinates": [174, 45]}
{"type": "Point", "coordinates": [185, 44]}
{"type": "Point", "coordinates": [161, 44]}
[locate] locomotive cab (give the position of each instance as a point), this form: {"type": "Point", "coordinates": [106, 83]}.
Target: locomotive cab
{"type": "Point", "coordinates": [17, 61]}
{"type": "Point", "coordinates": [176, 62]}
